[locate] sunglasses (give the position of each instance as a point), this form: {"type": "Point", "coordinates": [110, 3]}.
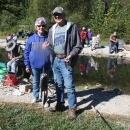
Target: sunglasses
{"type": "Point", "coordinates": [41, 25]}
{"type": "Point", "coordinates": [57, 14]}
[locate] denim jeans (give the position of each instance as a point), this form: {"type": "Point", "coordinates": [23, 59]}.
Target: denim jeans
{"type": "Point", "coordinates": [36, 76]}
{"type": "Point", "coordinates": [113, 47]}
{"type": "Point", "coordinates": [89, 42]}
{"type": "Point", "coordinates": [12, 65]}
{"type": "Point", "coordinates": [64, 77]}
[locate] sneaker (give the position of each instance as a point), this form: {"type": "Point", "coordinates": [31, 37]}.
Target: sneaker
{"type": "Point", "coordinates": [35, 100]}
{"type": "Point", "coordinates": [72, 114]}
{"type": "Point", "coordinates": [46, 105]}
{"type": "Point", "coordinates": [57, 108]}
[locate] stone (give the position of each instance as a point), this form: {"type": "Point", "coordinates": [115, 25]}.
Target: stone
{"type": "Point", "coordinates": [25, 87]}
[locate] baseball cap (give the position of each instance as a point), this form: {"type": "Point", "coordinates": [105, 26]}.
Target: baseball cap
{"type": "Point", "coordinates": [39, 21]}
{"type": "Point", "coordinates": [114, 33]}
{"type": "Point", "coordinates": [83, 28]}
{"type": "Point", "coordinates": [59, 10]}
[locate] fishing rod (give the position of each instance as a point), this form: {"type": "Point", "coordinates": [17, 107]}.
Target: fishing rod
{"type": "Point", "coordinates": [98, 114]}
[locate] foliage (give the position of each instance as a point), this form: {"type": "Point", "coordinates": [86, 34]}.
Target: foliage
{"type": "Point", "coordinates": [97, 16]}
{"type": "Point", "coordinates": [102, 16]}
{"type": "Point", "coordinates": [12, 11]}
{"type": "Point", "coordinates": [6, 22]}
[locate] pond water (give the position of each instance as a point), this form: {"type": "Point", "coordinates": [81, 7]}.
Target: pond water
{"type": "Point", "coordinates": [89, 70]}
{"type": "Point", "coordinates": [109, 72]}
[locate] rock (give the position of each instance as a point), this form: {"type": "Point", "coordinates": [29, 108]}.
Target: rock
{"type": "Point", "coordinates": [25, 88]}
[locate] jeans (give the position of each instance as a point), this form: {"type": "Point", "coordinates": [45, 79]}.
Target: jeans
{"type": "Point", "coordinates": [36, 76]}
{"type": "Point", "coordinates": [89, 42]}
{"type": "Point", "coordinates": [12, 65]}
{"type": "Point", "coordinates": [64, 77]}
{"type": "Point", "coordinates": [113, 47]}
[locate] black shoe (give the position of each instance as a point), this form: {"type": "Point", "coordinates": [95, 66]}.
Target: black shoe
{"type": "Point", "coordinates": [57, 108]}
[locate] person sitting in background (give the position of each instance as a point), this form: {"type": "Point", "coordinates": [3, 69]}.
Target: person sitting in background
{"type": "Point", "coordinates": [15, 54]}
{"type": "Point", "coordinates": [95, 41]}
{"type": "Point", "coordinates": [83, 36]}
{"type": "Point", "coordinates": [113, 43]}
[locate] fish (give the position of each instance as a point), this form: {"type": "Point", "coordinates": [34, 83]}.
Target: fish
{"type": "Point", "coordinates": [44, 88]}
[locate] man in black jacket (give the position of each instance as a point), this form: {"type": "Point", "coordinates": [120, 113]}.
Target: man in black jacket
{"type": "Point", "coordinates": [65, 43]}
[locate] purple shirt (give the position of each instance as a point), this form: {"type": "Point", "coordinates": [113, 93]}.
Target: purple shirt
{"type": "Point", "coordinates": [89, 35]}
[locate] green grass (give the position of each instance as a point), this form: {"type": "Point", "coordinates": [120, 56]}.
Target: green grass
{"type": "Point", "coordinates": [103, 42]}
{"type": "Point", "coordinates": [3, 37]}
{"type": "Point", "coordinates": [34, 117]}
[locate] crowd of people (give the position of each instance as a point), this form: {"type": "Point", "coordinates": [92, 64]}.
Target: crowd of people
{"type": "Point", "coordinates": [92, 40]}
{"type": "Point", "coordinates": [88, 36]}
{"type": "Point", "coordinates": [58, 50]}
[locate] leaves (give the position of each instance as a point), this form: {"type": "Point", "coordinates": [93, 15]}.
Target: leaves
{"type": "Point", "coordinates": [102, 16]}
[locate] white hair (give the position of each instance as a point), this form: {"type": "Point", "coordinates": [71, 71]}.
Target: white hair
{"type": "Point", "coordinates": [39, 21]}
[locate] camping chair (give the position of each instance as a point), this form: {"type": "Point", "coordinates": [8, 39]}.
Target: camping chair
{"type": "Point", "coordinates": [93, 44]}
{"type": "Point", "coordinates": [120, 45]}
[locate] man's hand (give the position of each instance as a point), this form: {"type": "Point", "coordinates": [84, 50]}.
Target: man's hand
{"type": "Point", "coordinates": [45, 44]}
{"type": "Point", "coordinates": [13, 59]}
{"type": "Point", "coordinates": [27, 70]}
{"type": "Point", "coordinates": [68, 58]}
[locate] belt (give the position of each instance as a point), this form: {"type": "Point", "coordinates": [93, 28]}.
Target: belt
{"type": "Point", "coordinates": [60, 56]}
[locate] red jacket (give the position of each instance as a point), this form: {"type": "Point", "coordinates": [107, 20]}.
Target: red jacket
{"type": "Point", "coordinates": [83, 35]}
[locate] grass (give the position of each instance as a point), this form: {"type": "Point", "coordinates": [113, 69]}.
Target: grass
{"type": "Point", "coordinates": [34, 117]}
{"type": "Point", "coordinates": [104, 42]}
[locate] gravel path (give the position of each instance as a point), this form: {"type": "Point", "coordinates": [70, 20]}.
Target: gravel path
{"type": "Point", "coordinates": [104, 101]}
